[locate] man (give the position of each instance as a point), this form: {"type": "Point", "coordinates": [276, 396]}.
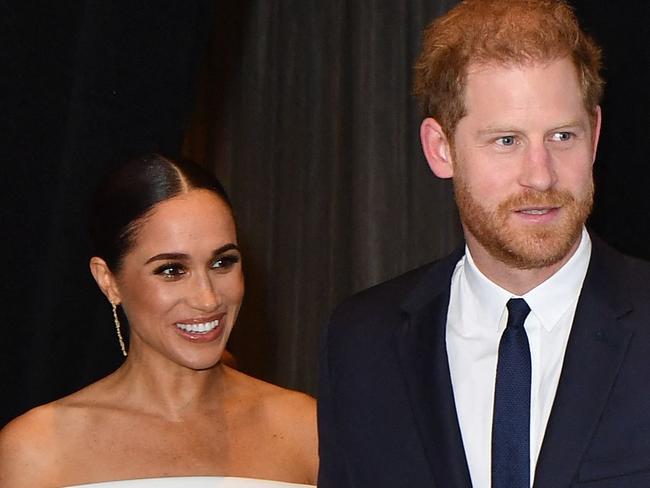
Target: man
{"type": "Point", "coordinates": [524, 358]}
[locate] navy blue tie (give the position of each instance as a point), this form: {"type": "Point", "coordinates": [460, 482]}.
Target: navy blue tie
{"type": "Point", "coordinates": [511, 422]}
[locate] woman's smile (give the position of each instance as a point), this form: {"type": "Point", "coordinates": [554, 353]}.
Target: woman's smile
{"type": "Point", "coordinates": [182, 284]}
{"type": "Point", "coordinates": [201, 330]}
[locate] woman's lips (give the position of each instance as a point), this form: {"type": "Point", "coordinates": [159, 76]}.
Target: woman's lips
{"type": "Point", "coordinates": [201, 329]}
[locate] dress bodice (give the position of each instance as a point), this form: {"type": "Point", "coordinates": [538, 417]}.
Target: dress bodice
{"type": "Point", "coordinates": [194, 482]}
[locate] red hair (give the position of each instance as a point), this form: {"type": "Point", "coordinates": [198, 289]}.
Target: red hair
{"type": "Point", "coordinates": [504, 32]}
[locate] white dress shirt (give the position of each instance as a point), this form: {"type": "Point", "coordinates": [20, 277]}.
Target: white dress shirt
{"type": "Point", "coordinates": [475, 321]}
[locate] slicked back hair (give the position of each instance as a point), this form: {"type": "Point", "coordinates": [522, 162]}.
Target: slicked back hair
{"type": "Point", "coordinates": [130, 193]}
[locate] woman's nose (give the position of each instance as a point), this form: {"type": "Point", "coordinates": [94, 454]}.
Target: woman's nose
{"type": "Point", "coordinates": [204, 296]}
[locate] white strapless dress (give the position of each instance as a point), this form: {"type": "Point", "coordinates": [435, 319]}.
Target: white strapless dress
{"type": "Point", "coordinates": [194, 482]}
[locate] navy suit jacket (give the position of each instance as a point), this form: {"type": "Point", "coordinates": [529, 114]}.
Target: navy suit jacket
{"type": "Point", "coordinates": [386, 410]}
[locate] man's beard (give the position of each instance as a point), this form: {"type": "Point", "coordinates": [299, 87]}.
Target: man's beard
{"type": "Point", "coordinates": [525, 246]}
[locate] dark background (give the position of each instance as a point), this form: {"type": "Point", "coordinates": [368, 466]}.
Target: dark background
{"type": "Point", "coordinates": [302, 107]}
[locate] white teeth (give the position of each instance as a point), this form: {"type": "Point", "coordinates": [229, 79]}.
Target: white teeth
{"type": "Point", "coordinates": [535, 212]}
{"type": "Point", "coordinates": [198, 328]}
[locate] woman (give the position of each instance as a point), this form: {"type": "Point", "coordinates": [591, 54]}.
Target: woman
{"type": "Point", "coordinates": [166, 252]}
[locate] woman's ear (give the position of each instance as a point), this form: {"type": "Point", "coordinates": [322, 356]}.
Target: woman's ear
{"type": "Point", "coordinates": [436, 148]}
{"type": "Point", "coordinates": [105, 279]}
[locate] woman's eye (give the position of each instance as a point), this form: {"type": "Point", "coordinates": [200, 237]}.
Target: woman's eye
{"type": "Point", "coordinates": [170, 270]}
{"type": "Point", "coordinates": [506, 141]}
{"type": "Point", "coordinates": [562, 136]}
{"type": "Point", "coordinates": [225, 262]}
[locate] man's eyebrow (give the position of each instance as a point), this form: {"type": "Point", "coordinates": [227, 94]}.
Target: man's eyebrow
{"type": "Point", "coordinates": [504, 129]}
{"type": "Point", "coordinates": [179, 256]}
{"type": "Point", "coordinates": [570, 125]}
{"type": "Point", "coordinates": [495, 129]}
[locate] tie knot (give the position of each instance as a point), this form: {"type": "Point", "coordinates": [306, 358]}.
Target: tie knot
{"type": "Point", "coordinates": [518, 310]}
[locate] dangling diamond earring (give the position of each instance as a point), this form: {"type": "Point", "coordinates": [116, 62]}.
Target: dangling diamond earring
{"type": "Point", "coordinates": [117, 329]}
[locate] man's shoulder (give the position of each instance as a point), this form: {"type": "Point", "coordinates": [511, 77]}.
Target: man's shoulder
{"type": "Point", "coordinates": [617, 265]}
{"type": "Point", "coordinates": [383, 301]}
{"type": "Point", "coordinates": [388, 293]}
{"type": "Point", "coordinates": [620, 280]}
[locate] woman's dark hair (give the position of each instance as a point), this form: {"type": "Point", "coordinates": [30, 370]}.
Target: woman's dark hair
{"type": "Point", "coordinates": [125, 198]}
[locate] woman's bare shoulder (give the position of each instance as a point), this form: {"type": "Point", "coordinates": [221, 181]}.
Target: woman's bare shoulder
{"type": "Point", "coordinates": [33, 444]}
{"type": "Point", "coordinates": [28, 448]}
{"type": "Point", "coordinates": [266, 395]}
{"type": "Point", "coordinates": [291, 418]}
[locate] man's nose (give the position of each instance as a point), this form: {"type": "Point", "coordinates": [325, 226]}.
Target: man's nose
{"type": "Point", "coordinates": [538, 171]}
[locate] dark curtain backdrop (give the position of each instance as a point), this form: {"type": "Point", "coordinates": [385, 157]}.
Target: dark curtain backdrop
{"type": "Point", "coordinates": [317, 142]}
{"type": "Point", "coordinates": [86, 83]}
{"type": "Point", "coordinates": [316, 138]}
{"type": "Point", "coordinates": [303, 108]}
{"type": "Point", "coordinates": [622, 210]}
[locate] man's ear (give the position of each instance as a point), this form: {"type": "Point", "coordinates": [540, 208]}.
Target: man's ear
{"type": "Point", "coordinates": [596, 130]}
{"type": "Point", "coordinates": [105, 279]}
{"type": "Point", "coordinates": [436, 148]}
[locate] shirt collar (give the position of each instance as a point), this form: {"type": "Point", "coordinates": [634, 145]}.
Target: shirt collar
{"type": "Point", "coordinates": [547, 301]}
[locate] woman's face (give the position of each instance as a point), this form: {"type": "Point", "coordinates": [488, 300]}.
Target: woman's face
{"type": "Point", "coordinates": [181, 285]}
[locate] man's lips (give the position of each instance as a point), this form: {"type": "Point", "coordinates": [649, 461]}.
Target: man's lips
{"type": "Point", "coordinates": [538, 214]}
{"type": "Point", "coordinates": [537, 210]}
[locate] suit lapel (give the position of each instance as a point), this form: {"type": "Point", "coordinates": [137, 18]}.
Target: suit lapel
{"type": "Point", "coordinates": [596, 348]}
{"type": "Point", "coordinates": [422, 354]}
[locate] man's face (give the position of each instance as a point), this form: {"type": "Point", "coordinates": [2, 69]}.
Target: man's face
{"type": "Point", "coordinates": [522, 162]}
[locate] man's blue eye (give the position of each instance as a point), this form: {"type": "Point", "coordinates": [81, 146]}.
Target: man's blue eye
{"type": "Point", "coordinates": [506, 140]}
{"type": "Point", "coordinates": [562, 136]}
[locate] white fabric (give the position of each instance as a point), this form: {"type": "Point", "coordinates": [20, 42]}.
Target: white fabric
{"type": "Point", "coordinates": [476, 319]}
{"type": "Point", "coordinates": [194, 482]}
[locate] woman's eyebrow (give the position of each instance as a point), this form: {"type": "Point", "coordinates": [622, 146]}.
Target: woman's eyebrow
{"type": "Point", "coordinates": [226, 247]}
{"type": "Point", "coordinates": [179, 256]}
{"type": "Point", "coordinates": [168, 256]}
